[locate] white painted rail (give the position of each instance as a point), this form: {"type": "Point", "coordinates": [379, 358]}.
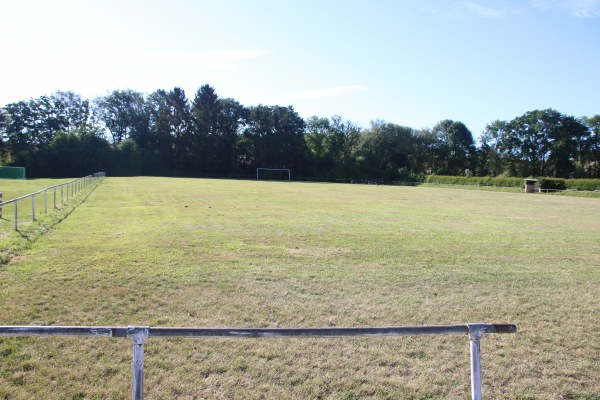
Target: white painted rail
{"type": "Point", "coordinates": [138, 335]}
{"type": "Point", "coordinates": [75, 186]}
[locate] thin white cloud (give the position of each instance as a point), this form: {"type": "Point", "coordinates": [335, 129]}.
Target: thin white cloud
{"type": "Point", "coordinates": [465, 9]}
{"type": "Point", "coordinates": [62, 62]}
{"type": "Point", "coordinates": [577, 8]}
{"type": "Point", "coordinates": [477, 9]}
{"type": "Point", "coordinates": [330, 92]}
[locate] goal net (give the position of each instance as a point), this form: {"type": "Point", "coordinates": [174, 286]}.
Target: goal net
{"type": "Point", "coordinates": [273, 174]}
{"type": "Point", "coordinates": [12, 172]}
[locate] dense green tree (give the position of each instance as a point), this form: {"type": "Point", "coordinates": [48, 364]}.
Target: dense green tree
{"type": "Point", "coordinates": [538, 143]}
{"type": "Point", "coordinates": [180, 122]}
{"type": "Point", "coordinates": [344, 143]}
{"type": "Point", "coordinates": [19, 127]}
{"type": "Point", "coordinates": [453, 148]}
{"type": "Point", "coordinates": [4, 155]}
{"type": "Point", "coordinates": [566, 139]}
{"type": "Point", "coordinates": [71, 110]}
{"type": "Point", "coordinates": [29, 126]}
{"type": "Point", "coordinates": [164, 133]}
{"type": "Point", "coordinates": [424, 156]}
{"type": "Point", "coordinates": [47, 120]}
{"type": "Point", "coordinates": [129, 160]}
{"type": "Point", "coordinates": [532, 132]}
{"type": "Point", "coordinates": [488, 161]}
{"type": "Point", "coordinates": [385, 151]}
{"type": "Point", "coordinates": [159, 118]}
{"type": "Point", "coordinates": [497, 139]}
{"type": "Point", "coordinates": [215, 128]}
{"type": "Point", "coordinates": [232, 118]}
{"type": "Point", "coordinates": [81, 152]}
{"type": "Point", "coordinates": [318, 141]}
{"type": "Point", "coordinates": [273, 137]}
{"type": "Point", "coordinates": [205, 132]}
{"type": "Point", "coordinates": [169, 125]}
{"type": "Point", "coordinates": [124, 115]}
{"type": "Point", "coordinates": [589, 147]}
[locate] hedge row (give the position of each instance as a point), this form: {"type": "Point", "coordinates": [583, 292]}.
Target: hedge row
{"type": "Point", "coordinates": [544, 183]}
{"type": "Point", "coordinates": [475, 181]}
{"type": "Point", "coordinates": [583, 184]}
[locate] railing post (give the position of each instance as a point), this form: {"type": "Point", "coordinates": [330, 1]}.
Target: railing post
{"type": "Point", "coordinates": [33, 207]}
{"type": "Point", "coordinates": [476, 331]}
{"type": "Point", "coordinates": [45, 201]}
{"type": "Point", "coordinates": [138, 334]}
{"type": "Point", "coordinates": [16, 203]}
{"type": "Point", "coordinates": [54, 196]}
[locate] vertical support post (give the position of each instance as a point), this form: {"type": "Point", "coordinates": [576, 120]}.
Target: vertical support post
{"type": "Point", "coordinates": [16, 203]}
{"type": "Point", "coordinates": [54, 196]}
{"type": "Point", "coordinates": [45, 201]}
{"type": "Point", "coordinates": [33, 207]}
{"type": "Point", "coordinates": [137, 334]}
{"type": "Point", "coordinates": [476, 331]}
{"type": "Point", "coordinates": [61, 195]}
{"type": "Point", "coordinates": [0, 205]}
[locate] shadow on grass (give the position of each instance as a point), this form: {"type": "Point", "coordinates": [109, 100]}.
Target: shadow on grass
{"type": "Point", "coordinates": [19, 241]}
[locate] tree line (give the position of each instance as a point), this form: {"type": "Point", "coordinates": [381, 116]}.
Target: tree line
{"type": "Point", "coordinates": [164, 133]}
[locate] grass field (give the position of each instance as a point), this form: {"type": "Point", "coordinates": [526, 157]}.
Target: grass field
{"type": "Point", "coordinates": [12, 189]}
{"type": "Point", "coordinates": [51, 206]}
{"type": "Point", "coordinates": [217, 253]}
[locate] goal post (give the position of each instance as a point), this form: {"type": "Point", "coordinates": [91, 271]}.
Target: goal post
{"type": "Point", "coordinates": [278, 173]}
{"type": "Point", "coordinates": [12, 172]}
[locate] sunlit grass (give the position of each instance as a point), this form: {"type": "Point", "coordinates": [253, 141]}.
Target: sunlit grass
{"type": "Point", "coordinates": [51, 201]}
{"type": "Point", "coordinates": [185, 252]}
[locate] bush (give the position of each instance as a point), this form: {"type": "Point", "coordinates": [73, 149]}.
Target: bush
{"type": "Point", "coordinates": [552, 183]}
{"type": "Point", "coordinates": [475, 181]}
{"type": "Point", "coordinates": [500, 181]}
{"type": "Point", "coordinates": [583, 184]}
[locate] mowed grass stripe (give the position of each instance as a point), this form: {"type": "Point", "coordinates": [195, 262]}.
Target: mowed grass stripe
{"type": "Point", "coordinates": [214, 253]}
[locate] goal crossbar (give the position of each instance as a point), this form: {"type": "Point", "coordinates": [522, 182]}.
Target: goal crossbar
{"type": "Point", "coordinates": [273, 169]}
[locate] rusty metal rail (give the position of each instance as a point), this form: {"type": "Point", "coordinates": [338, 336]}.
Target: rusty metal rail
{"type": "Point", "coordinates": [138, 335]}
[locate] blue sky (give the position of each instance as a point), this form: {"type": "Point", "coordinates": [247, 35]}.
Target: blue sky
{"type": "Point", "coordinates": [413, 63]}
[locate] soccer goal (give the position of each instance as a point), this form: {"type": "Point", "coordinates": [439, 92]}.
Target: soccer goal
{"type": "Point", "coordinates": [12, 172]}
{"type": "Point", "coordinates": [273, 174]}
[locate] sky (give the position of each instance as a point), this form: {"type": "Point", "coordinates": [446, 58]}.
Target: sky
{"type": "Point", "coordinates": [413, 63]}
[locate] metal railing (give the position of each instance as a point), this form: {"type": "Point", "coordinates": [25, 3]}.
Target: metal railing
{"type": "Point", "coordinates": [68, 188]}
{"type": "Point", "coordinates": [138, 334]}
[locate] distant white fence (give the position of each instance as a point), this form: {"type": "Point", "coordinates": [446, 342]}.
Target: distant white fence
{"type": "Point", "coordinates": [67, 189]}
{"type": "Point", "coordinates": [138, 334]}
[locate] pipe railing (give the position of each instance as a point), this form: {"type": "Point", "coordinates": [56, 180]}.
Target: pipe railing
{"type": "Point", "coordinates": [138, 335]}
{"type": "Point", "coordinates": [72, 187]}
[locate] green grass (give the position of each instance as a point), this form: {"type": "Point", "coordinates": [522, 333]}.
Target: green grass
{"type": "Point", "coordinates": [216, 253]}
{"type": "Point", "coordinates": [48, 207]}
{"type": "Point", "coordinates": [12, 189]}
